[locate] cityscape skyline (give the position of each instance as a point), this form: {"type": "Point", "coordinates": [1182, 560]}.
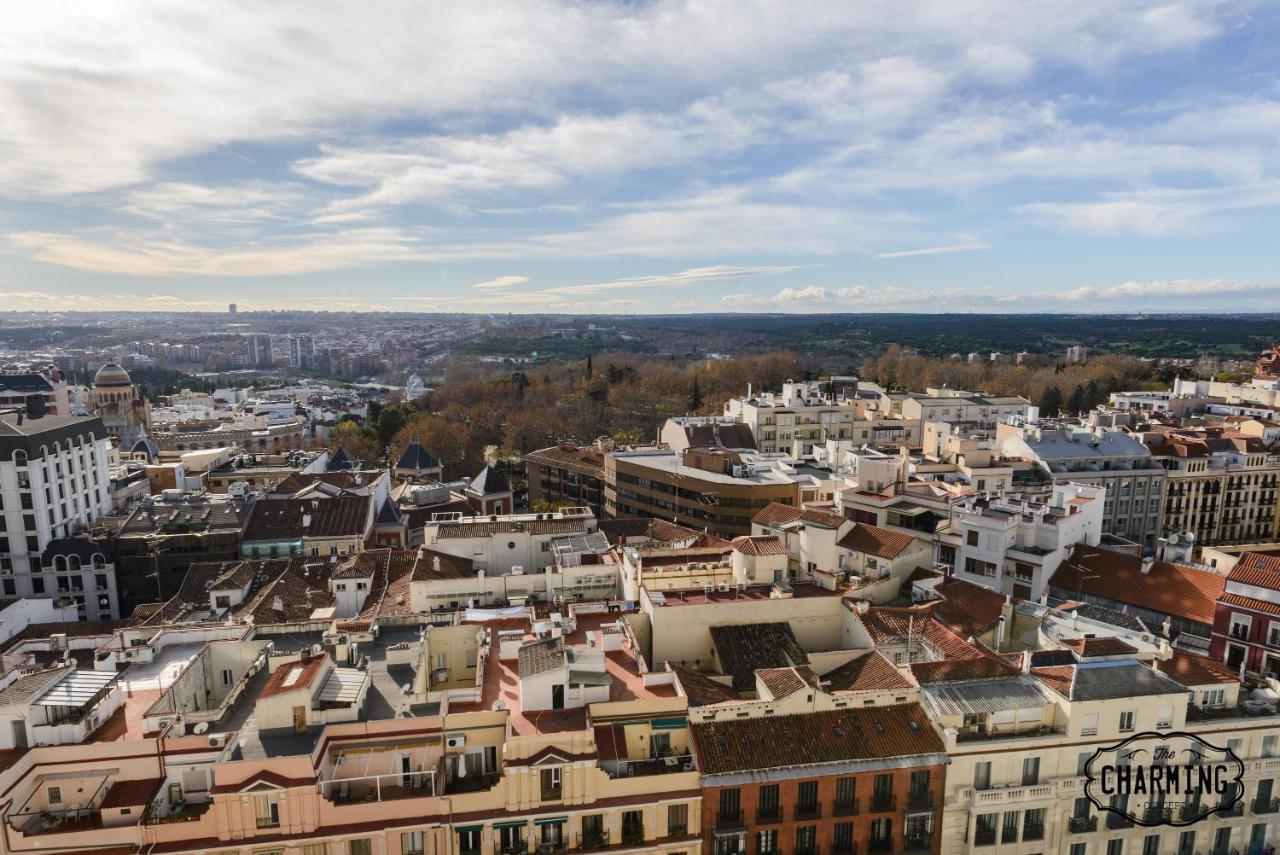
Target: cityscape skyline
{"type": "Point", "coordinates": [642, 158]}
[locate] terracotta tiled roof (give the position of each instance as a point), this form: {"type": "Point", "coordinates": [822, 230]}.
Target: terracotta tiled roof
{"type": "Point", "coordinates": [131, 793]}
{"type": "Point", "coordinates": [776, 514]}
{"type": "Point", "coordinates": [283, 519]}
{"type": "Point", "coordinates": [952, 670]}
{"type": "Point", "coordinates": [1261, 571]}
{"type": "Point", "coordinates": [888, 624]}
{"type": "Point", "coordinates": [1192, 669]}
{"type": "Point", "coordinates": [1172, 589]}
{"type": "Point", "coordinates": [871, 672]}
{"type": "Point", "coordinates": [1056, 677]}
{"type": "Point", "coordinates": [669, 532]}
{"type": "Point", "coordinates": [1250, 603]}
{"type": "Point", "coordinates": [701, 690]}
{"type": "Point", "coordinates": [768, 544]}
{"type": "Point", "coordinates": [440, 565]}
{"type": "Point", "coordinates": [1100, 646]}
{"type": "Point", "coordinates": [871, 733]}
{"type": "Point", "coordinates": [283, 680]}
{"type": "Point", "coordinates": [967, 608]}
{"type": "Point", "coordinates": [784, 682]}
{"type": "Point", "coordinates": [877, 541]}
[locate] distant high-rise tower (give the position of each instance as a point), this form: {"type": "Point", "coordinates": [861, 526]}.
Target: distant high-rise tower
{"type": "Point", "coordinates": [258, 349]}
{"type": "Point", "coordinates": [302, 351]}
{"type": "Point", "coordinates": [231, 309]}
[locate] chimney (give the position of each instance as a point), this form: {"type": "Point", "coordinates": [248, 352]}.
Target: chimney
{"type": "Point", "coordinates": [1026, 662]}
{"type": "Point", "coordinates": [1146, 565]}
{"type": "Point", "coordinates": [306, 520]}
{"type": "Point", "coordinates": [435, 563]}
{"type": "Point", "coordinates": [1000, 633]}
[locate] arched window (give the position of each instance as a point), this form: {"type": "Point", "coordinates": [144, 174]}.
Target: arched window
{"type": "Point", "coordinates": [60, 563]}
{"type": "Point", "coordinates": [73, 563]}
{"type": "Point", "coordinates": [19, 458]}
{"type": "Point", "coordinates": [99, 561]}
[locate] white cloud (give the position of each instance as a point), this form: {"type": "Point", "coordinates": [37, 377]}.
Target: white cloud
{"type": "Point", "coordinates": [685, 278]}
{"type": "Point", "coordinates": [971, 246]}
{"type": "Point", "coordinates": [1170, 288]}
{"type": "Point", "coordinates": [500, 283]}
{"type": "Point", "coordinates": [145, 257]}
{"type": "Point", "coordinates": [795, 295]}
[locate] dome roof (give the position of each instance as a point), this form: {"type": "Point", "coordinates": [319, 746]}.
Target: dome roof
{"type": "Point", "coordinates": [111, 376]}
{"type": "Point", "coordinates": [144, 445]}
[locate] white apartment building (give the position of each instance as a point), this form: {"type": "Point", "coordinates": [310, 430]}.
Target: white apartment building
{"type": "Point", "coordinates": [1012, 544]}
{"type": "Point", "coordinates": [54, 482]}
{"type": "Point", "coordinates": [1135, 481]}
{"type": "Point", "coordinates": [799, 417]}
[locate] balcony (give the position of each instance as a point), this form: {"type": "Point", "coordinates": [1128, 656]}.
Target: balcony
{"type": "Point", "coordinates": [1033, 831]}
{"type": "Point", "coordinates": [1189, 811]}
{"type": "Point", "coordinates": [803, 812]}
{"type": "Point", "coordinates": [919, 799]}
{"type": "Point", "coordinates": [849, 808]}
{"type": "Point", "coordinates": [1082, 824]}
{"type": "Point", "coordinates": [1116, 821]}
{"type": "Point", "coordinates": [1155, 814]}
{"type": "Point", "coordinates": [729, 820]}
{"type": "Point", "coordinates": [1031, 733]}
{"type": "Point", "coordinates": [592, 841]}
{"type": "Point", "coordinates": [884, 803]}
{"type": "Point", "coordinates": [880, 844]}
{"type": "Point", "coordinates": [1235, 810]}
{"type": "Point", "coordinates": [769, 815]}
{"type": "Point", "coordinates": [651, 766]}
{"type": "Point", "coordinates": [1264, 806]}
{"type": "Point", "coordinates": [919, 843]}
{"type": "Point", "coordinates": [844, 847]}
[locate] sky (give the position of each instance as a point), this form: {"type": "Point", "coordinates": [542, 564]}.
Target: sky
{"type": "Point", "coordinates": [633, 156]}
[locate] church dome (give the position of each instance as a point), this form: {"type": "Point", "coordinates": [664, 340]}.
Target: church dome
{"type": "Point", "coordinates": [111, 376]}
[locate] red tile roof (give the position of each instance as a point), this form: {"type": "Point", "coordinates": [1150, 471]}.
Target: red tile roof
{"type": "Point", "coordinates": [952, 670]}
{"type": "Point", "coordinates": [869, 733]}
{"type": "Point", "coordinates": [701, 690]}
{"type": "Point", "coordinates": [967, 608]}
{"type": "Point", "coordinates": [777, 514]}
{"type": "Point", "coordinates": [1192, 669]}
{"type": "Point", "coordinates": [768, 544]}
{"type": "Point", "coordinates": [1261, 571]}
{"type": "Point", "coordinates": [783, 682]}
{"type": "Point", "coordinates": [1102, 646]}
{"type": "Point", "coordinates": [1172, 589]}
{"type": "Point", "coordinates": [1056, 677]}
{"type": "Point", "coordinates": [891, 624]}
{"type": "Point", "coordinates": [307, 669]}
{"type": "Point", "coordinates": [877, 541]}
{"type": "Point", "coordinates": [1250, 603]}
{"type": "Point", "coordinates": [871, 672]}
{"type": "Point", "coordinates": [131, 793]}
{"type": "Point", "coordinates": [282, 519]}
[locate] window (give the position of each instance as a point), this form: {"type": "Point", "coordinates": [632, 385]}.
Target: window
{"type": "Point", "coordinates": [1030, 771]}
{"type": "Point", "coordinates": [1033, 824]}
{"type": "Point", "coordinates": [881, 832]}
{"type": "Point", "coordinates": [1268, 746]}
{"type": "Point", "coordinates": [982, 775]}
{"type": "Point", "coordinates": [806, 838]}
{"type": "Point", "coordinates": [551, 781]}
{"type": "Point", "coordinates": [730, 805]}
{"type": "Point", "coordinates": [919, 788]}
{"type": "Point", "coordinates": [1151, 844]}
{"type": "Point", "coordinates": [768, 809]}
{"type": "Point", "coordinates": [677, 820]}
{"type": "Point", "coordinates": [1009, 828]}
{"type": "Point", "coordinates": [362, 846]}
{"type": "Point", "coordinates": [1089, 724]}
{"type": "Point", "coordinates": [317, 849]}
{"type": "Point", "coordinates": [1126, 721]}
{"type": "Point", "coordinates": [1115, 847]}
{"type": "Point", "coordinates": [1164, 717]}
{"type": "Point", "coordinates": [469, 839]}
{"type": "Point", "coordinates": [846, 794]}
{"type": "Point", "coordinates": [882, 793]}
{"type": "Point", "coordinates": [767, 842]}
{"type": "Point", "coordinates": [55, 795]}
{"type": "Point", "coordinates": [266, 811]}
{"type": "Point", "coordinates": [1078, 848]}
{"type": "Point", "coordinates": [511, 838]}
{"type": "Point", "coordinates": [984, 829]}
{"type": "Point", "coordinates": [971, 538]}
{"type": "Point", "coordinates": [807, 798]}
{"type": "Point", "coordinates": [1082, 760]}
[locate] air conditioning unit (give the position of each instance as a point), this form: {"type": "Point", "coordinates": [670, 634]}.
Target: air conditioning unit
{"type": "Point", "coordinates": [456, 740]}
{"type": "Point", "coordinates": [217, 740]}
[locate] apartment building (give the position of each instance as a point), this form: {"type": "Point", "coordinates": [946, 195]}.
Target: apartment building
{"type": "Point", "coordinates": [1222, 490]}
{"type": "Point", "coordinates": [1134, 480]}
{"type": "Point", "coordinates": [1013, 544]}
{"type": "Point", "coordinates": [567, 474]}
{"type": "Point", "coordinates": [37, 392]}
{"type": "Point", "coordinates": [712, 489]}
{"type": "Point", "coordinates": [54, 483]}
{"type": "Point", "coordinates": [803, 415]}
{"type": "Point", "coordinates": [1246, 624]}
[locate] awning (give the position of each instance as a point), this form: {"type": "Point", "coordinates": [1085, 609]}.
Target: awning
{"type": "Point", "coordinates": [343, 686]}
{"type": "Point", "coordinates": [674, 723]}
{"type": "Point", "coordinates": [77, 689]}
{"type": "Point", "coordinates": [468, 829]}
{"type": "Point", "coordinates": [553, 820]}
{"type": "Point", "coordinates": [517, 824]}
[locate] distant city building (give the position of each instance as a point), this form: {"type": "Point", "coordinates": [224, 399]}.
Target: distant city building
{"type": "Point", "coordinates": [1077, 354]}
{"type": "Point", "coordinates": [414, 388]}
{"type": "Point", "coordinates": [231, 309]}
{"type": "Point", "coordinates": [302, 351]}
{"type": "Point", "coordinates": [37, 392]}
{"type": "Point", "coordinates": [258, 350]}
{"type": "Point", "coordinates": [115, 399]}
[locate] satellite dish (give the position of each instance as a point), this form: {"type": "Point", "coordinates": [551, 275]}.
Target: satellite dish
{"type": "Point", "coordinates": [201, 727]}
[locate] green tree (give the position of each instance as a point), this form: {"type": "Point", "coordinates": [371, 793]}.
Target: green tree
{"type": "Point", "coordinates": [1050, 401]}
{"type": "Point", "coordinates": [695, 396]}
{"type": "Point", "coordinates": [1077, 404]}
